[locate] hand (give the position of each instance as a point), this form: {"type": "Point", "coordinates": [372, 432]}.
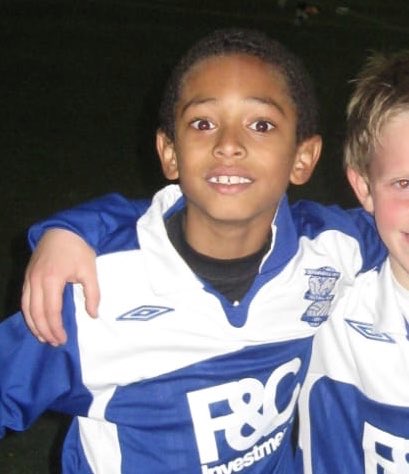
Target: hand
{"type": "Point", "coordinates": [61, 257]}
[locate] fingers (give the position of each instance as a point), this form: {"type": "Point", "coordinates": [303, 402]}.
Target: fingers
{"type": "Point", "coordinates": [92, 295]}
{"type": "Point", "coordinates": [25, 308]}
{"type": "Point", "coordinates": [41, 305]}
{"type": "Point", "coordinates": [61, 257]}
{"type": "Point", "coordinates": [52, 329]}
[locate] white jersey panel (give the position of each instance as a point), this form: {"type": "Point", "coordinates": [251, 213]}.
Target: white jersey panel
{"type": "Point", "coordinates": [101, 445]}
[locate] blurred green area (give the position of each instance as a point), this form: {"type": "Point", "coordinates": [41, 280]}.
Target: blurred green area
{"type": "Point", "coordinates": [79, 88]}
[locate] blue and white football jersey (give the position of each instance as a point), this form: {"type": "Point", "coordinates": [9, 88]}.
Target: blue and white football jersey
{"type": "Point", "coordinates": [172, 377]}
{"type": "Point", "coordinates": [354, 407]}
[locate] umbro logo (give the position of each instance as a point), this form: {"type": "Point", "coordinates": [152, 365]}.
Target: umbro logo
{"type": "Point", "coordinates": [368, 330]}
{"type": "Point", "coordinates": [144, 313]}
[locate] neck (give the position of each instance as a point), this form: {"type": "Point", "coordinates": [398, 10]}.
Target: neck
{"type": "Point", "coordinates": [227, 240]}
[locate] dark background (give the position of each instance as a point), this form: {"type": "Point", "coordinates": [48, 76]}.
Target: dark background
{"type": "Point", "coordinates": [79, 87]}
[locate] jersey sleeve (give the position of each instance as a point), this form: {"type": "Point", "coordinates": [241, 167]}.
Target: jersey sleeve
{"type": "Point", "coordinates": [312, 218]}
{"type": "Point", "coordinates": [101, 222]}
{"type": "Point", "coordinates": [372, 248]}
{"type": "Point", "coordinates": [36, 377]}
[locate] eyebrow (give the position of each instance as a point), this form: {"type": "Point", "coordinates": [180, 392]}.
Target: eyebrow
{"type": "Point", "coordinates": [196, 101]}
{"type": "Point", "coordinates": [268, 101]}
{"type": "Point", "coordinates": [261, 100]}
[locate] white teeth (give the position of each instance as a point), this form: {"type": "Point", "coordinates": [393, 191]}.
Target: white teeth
{"type": "Point", "coordinates": [229, 180]}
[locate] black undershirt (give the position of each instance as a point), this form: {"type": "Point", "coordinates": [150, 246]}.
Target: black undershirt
{"type": "Point", "coordinates": [232, 278]}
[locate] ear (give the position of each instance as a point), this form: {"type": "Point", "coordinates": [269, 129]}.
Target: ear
{"type": "Point", "coordinates": [360, 185]}
{"type": "Point", "coordinates": [308, 154]}
{"type": "Point", "coordinates": [167, 155]}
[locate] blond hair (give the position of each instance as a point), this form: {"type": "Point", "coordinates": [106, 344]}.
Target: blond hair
{"type": "Point", "coordinates": [381, 92]}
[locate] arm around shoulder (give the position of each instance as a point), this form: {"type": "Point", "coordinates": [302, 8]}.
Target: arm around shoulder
{"type": "Point", "coordinates": [67, 246]}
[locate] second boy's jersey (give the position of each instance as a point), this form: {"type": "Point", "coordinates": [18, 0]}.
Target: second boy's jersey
{"type": "Point", "coordinates": [172, 377]}
{"type": "Point", "coordinates": [354, 407]}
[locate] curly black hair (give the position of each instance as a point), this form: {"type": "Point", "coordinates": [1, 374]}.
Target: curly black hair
{"type": "Point", "coordinates": [253, 43]}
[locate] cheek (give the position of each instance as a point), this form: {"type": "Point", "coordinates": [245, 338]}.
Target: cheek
{"type": "Point", "coordinates": [390, 215]}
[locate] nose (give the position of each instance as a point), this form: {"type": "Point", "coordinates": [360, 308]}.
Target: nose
{"type": "Point", "coordinates": [229, 144]}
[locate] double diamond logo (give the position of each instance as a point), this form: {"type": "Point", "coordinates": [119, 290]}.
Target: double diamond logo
{"type": "Point", "coordinates": [369, 331]}
{"type": "Point", "coordinates": [144, 313]}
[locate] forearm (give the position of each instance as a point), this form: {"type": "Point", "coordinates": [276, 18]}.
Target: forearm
{"type": "Point", "coordinates": [98, 221]}
{"type": "Point", "coordinates": [65, 248]}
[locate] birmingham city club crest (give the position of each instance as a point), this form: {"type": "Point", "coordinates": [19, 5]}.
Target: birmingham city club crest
{"type": "Point", "coordinates": [321, 283]}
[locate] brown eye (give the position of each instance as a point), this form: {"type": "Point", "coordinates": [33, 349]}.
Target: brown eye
{"type": "Point", "coordinates": [262, 126]}
{"type": "Point", "coordinates": [403, 183]}
{"type": "Point", "coordinates": [202, 124]}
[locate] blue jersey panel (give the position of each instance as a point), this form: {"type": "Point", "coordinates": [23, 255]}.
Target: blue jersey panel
{"type": "Point", "coordinates": [74, 459]}
{"type": "Point", "coordinates": [36, 377]}
{"type": "Point", "coordinates": [231, 411]}
{"type": "Point", "coordinates": [363, 435]}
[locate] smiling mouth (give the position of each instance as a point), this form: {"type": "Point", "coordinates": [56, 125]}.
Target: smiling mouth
{"type": "Point", "coordinates": [229, 180]}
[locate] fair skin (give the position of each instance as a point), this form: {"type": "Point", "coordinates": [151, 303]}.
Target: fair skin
{"type": "Point", "coordinates": [234, 153]}
{"type": "Point", "coordinates": [384, 192]}
{"type": "Point", "coordinates": [41, 300]}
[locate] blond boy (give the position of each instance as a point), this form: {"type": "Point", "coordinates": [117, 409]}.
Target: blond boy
{"type": "Point", "coordinates": [354, 407]}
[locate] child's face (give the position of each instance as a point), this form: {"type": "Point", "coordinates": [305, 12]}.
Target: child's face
{"type": "Point", "coordinates": [388, 194]}
{"type": "Point", "coordinates": [235, 148]}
